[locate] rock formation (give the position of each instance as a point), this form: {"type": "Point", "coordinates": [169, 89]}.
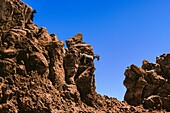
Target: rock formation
{"type": "Point", "coordinates": [39, 75]}
{"type": "Point", "coordinates": [149, 85]}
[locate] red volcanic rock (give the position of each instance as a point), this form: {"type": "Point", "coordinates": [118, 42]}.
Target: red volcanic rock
{"type": "Point", "coordinates": [39, 75]}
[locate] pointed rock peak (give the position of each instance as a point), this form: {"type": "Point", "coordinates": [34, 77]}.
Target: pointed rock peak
{"type": "Point", "coordinates": [54, 37]}
{"type": "Point", "coordinates": [79, 34]}
{"type": "Point", "coordinates": [74, 40]}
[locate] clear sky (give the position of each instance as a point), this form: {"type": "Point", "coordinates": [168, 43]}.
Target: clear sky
{"type": "Point", "coordinates": [122, 32]}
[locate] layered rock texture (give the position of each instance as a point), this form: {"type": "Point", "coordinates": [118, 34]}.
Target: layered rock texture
{"type": "Point", "coordinates": [39, 75]}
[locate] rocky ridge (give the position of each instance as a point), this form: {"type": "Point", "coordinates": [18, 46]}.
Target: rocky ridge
{"type": "Point", "coordinates": [39, 75]}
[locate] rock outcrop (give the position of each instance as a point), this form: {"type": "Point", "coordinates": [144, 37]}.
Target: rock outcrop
{"type": "Point", "coordinates": [39, 75]}
{"type": "Point", "coordinates": [149, 85]}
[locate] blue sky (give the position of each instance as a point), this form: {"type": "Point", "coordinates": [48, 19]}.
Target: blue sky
{"type": "Point", "coordinates": [122, 32]}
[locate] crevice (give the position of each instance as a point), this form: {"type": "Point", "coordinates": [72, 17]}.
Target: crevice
{"type": "Point", "coordinates": [80, 70]}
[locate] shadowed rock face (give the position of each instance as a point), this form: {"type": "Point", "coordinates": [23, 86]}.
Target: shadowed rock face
{"type": "Point", "coordinates": [39, 75]}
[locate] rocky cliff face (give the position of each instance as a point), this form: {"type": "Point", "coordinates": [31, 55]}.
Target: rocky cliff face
{"type": "Point", "coordinates": [39, 75]}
